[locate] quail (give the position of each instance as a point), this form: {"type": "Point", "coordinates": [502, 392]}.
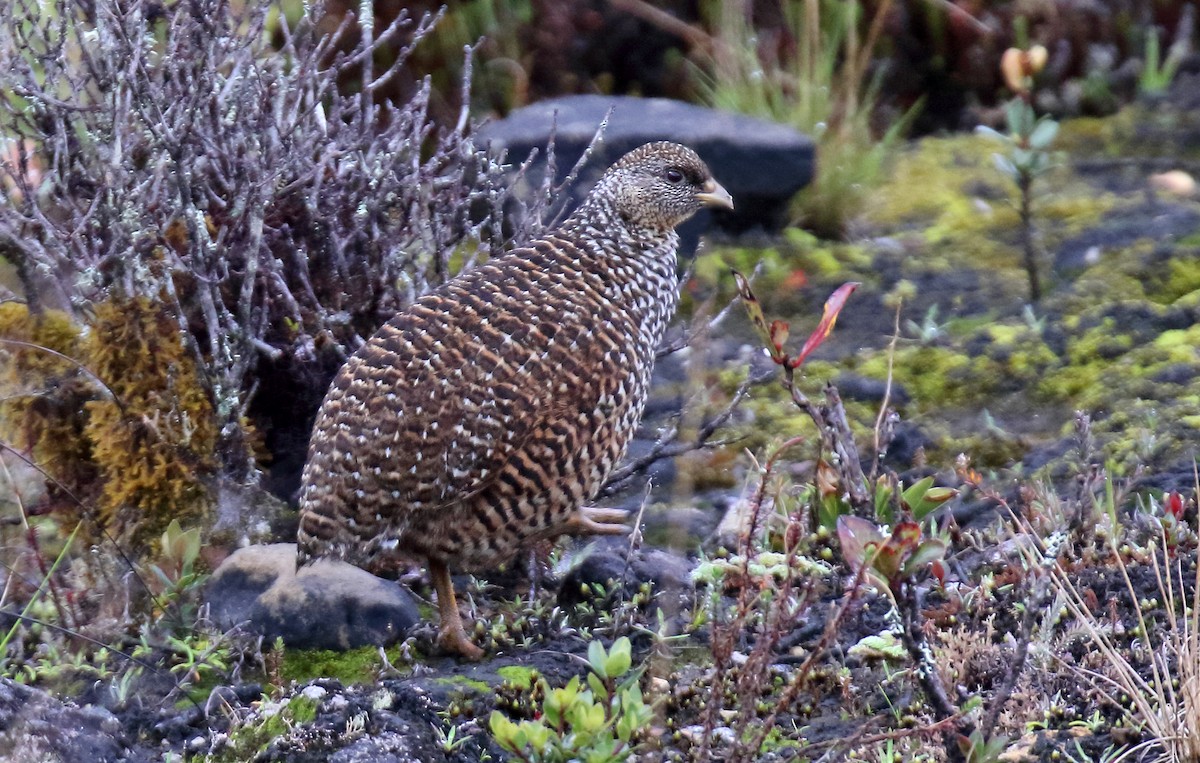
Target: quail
{"type": "Point", "coordinates": [485, 416]}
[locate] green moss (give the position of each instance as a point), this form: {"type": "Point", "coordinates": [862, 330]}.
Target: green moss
{"type": "Point", "coordinates": [251, 738]}
{"type": "Point", "coordinates": [1103, 284]}
{"type": "Point", "coordinates": [1183, 279]}
{"type": "Point", "coordinates": [929, 182]}
{"type": "Point", "coordinates": [465, 683]}
{"type": "Point", "coordinates": [930, 374]}
{"type": "Point", "coordinates": [1018, 353]}
{"type": "Point", "coordinates": [519, 676]}
{"type": "Point", "coordinates": [1094, 135]}
{"type": "Point", "coordinates": [1102, 342]}
{"type": "Point", "coordinates": [1177, 345]}
{"type": "Point", "coordinates": [354, 666]}
{"type": "Point", "coordinates": [301, 709]}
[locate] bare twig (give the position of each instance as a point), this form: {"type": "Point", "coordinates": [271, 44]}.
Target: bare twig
{"type": "Point", "coordinates": [668, 445]}
{"type": "Point", "coordinates": [882, 441]}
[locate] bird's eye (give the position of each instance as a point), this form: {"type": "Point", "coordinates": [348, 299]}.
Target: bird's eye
{"type": "Point", "coordinates": [674, 176]}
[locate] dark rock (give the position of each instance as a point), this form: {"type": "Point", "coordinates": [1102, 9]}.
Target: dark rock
{"type": "Point", "coordinates": [1177, 373]}
{"type": "Point", "coordinates": [661, 472]}
{"type": "Point", "coordinates": [976, 513]}
{"type": "Point", "coordinates": [37, 727]}
{"type": "Point", "coordinates": [604, 563]}
{"type": "Point", "coordinates": [856, 387]}
{"type": "Point", "coordinates": [1158, 221]}
{"type": "Point", "coordinates": [1178, 476]}
{"type": "Point", "coordinates": [326, 605]}
{"type": "Point", "coordinates": [762, 164]}
{"type": "Point", "coordinates": [907, 440]}
{"type": "Point", "coordinates": [682, 529]}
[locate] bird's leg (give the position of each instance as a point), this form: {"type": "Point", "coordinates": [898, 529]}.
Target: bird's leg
{"type": "Point", "coordinates": [590, 520]}
{"type": "Point", "coordinates": [451, 637]}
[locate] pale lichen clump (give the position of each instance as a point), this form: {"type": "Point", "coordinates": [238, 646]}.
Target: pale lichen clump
{"type": "Point", "coordinates": [113, 412]}
{"type": "Point", "coordinates": [261, 210]}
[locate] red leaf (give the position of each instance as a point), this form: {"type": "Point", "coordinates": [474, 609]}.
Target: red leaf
{"type": "Point", "coordinates": [938, 568]}
{"type": "Point", "coordinates": [755, 312]}
{"type": "Point", "coordinates": [906, 535]}
{"type": "Point", "coordinates": [779, 334]}
{"type": "Point", "coordinates": [1173, 503]}
{"type": "Point", "coordinates": [833, 307]}
{"type": "Point", "coordinates": [859, 539]}
{"type": "Point", "coordinates": [797, 279]}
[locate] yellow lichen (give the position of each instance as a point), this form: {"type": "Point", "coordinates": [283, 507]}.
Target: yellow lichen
{"type": "Point", "coordinates": [114, 414]}
{"type": "Point", "coordinates": [43, 393]}
{"type": "Point", "coordinates": [154, 442]}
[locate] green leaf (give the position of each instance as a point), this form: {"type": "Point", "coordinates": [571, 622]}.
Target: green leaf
{"type": "Point", "coordinates": [921, 503]}
{"type": "Point", "coordinates": [881, 646]}
{"type": "Point", "coordinates": [928, 552]}
{"type": "Point", "coordinates": [537, 735]}
{"type": "Point", "coordinates": [597, 685]}
{"type": "Point", "coordinates": [597, 658]}
{"type": "Point", "coordinates": [503, 730]}
{"type": "Point", "coordinates": [988, 132]}
{"type": "Point", "coordinates": [1016, 115]}
{"type": "Point", "coordinates": [1005, 165]}
{"type": "Point", "coordinates": [912, 496]}
{"type": "Point", "coordinates": [591, 719]}
{"type": "Point", "coordinates": [625, 727]}
{"type": "Point", "coordinates": [1043, 134]}
{"type": "Point", "coordinates": [620, 657]}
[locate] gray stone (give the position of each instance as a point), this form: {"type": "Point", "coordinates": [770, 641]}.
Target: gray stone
{"type": "Point", "coordinates": [762, 164]}
{"type": "Point", "coordinates": [682, 529]}
{"type": "Point", "coordinates": [326, 605]}
{"type": "Point", "coordinates": [388, 747]}
{"type": "Point", "coordinates": [35, 726]}
{"type": "Point", "coordinates": [604, 562]}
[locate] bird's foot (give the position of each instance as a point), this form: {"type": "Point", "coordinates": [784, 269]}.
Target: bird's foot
{"type": "Point", "coordinates": [451, 638]}
{"type": "Point", "coordinates": [591, 520]}
{"type": "Point", "coordinates": [455, 641]}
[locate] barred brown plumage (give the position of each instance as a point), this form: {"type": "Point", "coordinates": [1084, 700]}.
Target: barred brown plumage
{"type": "Point", "coordinates": [483, 417]}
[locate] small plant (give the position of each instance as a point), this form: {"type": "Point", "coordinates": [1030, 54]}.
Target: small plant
{"type": "Point", "coordinates": [1157, 72]}
{"type": "Point", "coordinates": [1028, 142]}
{"type": "Point", "coordinates": [978, 748]}
{"type": "Point", "coordinates": [929, 331]}
{"type": "Point", "coordinates": [1167, 515]}
{"type": "Point", "coordinates": [1159, 673]}
{"type": "Point", "coordinates": [596, 723]}
{"type": "Point", "coordinates": [840, 454]}
{"type": "Point", "coordinates": [918, 499]}
{"type": "Point", "coordinates": [818, 80]}
{"type": "Point", "coordinates": [176, 576]}
{"type": "Point", "coordinates": [890, 559]}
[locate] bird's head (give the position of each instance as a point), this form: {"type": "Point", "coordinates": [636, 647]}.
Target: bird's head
{"type": "Point", "coordinates": [659, 185]}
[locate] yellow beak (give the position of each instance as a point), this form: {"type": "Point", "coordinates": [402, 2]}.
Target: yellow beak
{"type": "Point", "coordinates": [713, 195]}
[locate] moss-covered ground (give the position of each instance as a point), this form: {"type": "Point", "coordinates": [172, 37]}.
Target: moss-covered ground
{"type": "Point", "coordinates": [976, 367]}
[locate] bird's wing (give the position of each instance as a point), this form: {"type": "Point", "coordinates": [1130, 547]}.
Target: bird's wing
{"type": "Point", "coordinates": [450, 390]}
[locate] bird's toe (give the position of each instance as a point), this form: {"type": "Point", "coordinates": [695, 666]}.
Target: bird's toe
{"type": "Point", "coordinates": [455, 641]}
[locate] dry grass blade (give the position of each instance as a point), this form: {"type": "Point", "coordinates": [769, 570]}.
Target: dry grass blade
{"type": "Point", "coordinates": [1163, 689]}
